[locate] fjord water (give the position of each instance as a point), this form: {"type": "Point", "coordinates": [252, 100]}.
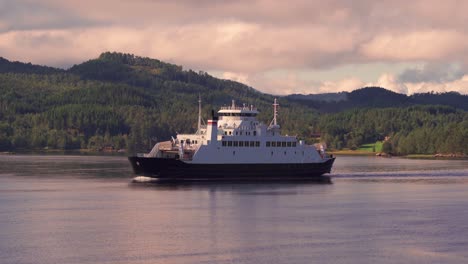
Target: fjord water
{"type": "Point", "coordinates": [86, 209]}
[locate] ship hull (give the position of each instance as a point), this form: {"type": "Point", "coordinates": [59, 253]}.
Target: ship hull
{"type": "Point", "coordinates": [174, 169]}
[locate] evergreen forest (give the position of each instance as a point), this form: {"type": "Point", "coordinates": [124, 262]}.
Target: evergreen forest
{"type": "Point", "coordinates": [125, 102]}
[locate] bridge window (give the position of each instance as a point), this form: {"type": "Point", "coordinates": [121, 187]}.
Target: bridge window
{"type": "Point", "coordinates": [268, 143]}
{"type": "Point", "coordinates": [294, 144]}
{"type": "Point", "coordinates": [241, 143]}
{"type": "Point", "coordinates": [283, 144]}
{"type": "Point", "coordinates": [273, 144]}
{"type": "Point", "coordinates": [252, 143]}
{"type": "Point", "coordinates": [224, 143]}
{"type": "Point", "coordinates": [257, 143]}
{"type": "Point", "coordinates": [289, 144]}
{"type": "Point", "coordinates": [278, 144]}
{"type": "Point", "coordinates": [236, 143]}
{"type": "Point", "coordinates": [229, 143]}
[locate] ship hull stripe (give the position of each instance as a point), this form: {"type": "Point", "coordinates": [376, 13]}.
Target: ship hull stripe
{"type": "Point", "coordinates": [164, 168]}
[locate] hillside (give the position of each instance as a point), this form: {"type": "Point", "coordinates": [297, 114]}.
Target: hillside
{"type": "Point", "coordinates": [377, 97]}
{"type": "Point", "coordinates": [125, 101]}
{"type": "Point", "coordinates": [120, 100]}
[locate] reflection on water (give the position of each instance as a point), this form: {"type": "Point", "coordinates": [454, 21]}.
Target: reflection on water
{"type": "Point", "coordinates": [73, 209]}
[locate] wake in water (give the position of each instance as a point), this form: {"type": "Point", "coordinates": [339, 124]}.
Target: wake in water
{"type": "Point", "coordinates": [144, 179]}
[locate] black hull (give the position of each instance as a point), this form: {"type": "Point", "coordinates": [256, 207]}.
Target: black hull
{"type": "Point", "coordinates": [173, 169]}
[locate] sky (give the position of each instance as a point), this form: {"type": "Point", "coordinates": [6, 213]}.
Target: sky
{"type": "Point", "coordinates": [278, 47]}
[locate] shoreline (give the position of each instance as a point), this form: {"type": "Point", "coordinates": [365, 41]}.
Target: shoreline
{"type": "Point", "coordinates": [85, 152]}
{"type": "Point", "coordinates": [409, 156]}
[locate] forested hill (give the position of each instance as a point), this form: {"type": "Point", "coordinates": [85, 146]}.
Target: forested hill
{"type": "Point", "coordinates": [377, 97]}
{"type": "Point", "coordinates": [125, 101]}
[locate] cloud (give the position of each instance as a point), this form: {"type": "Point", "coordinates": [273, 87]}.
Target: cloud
{"type": "Point", "coordinates": [247, 40]}
{"type": "Point", "coordinates": [222, 46]}
{"type": "Point", "coordinates": [31, 15]}
{"type": "Point", "coordinates": [238, 77]}
{"type": "Point", "coordinates": [390, 82]}
{"type": "Point", "coordinates": [429, 45]}
{"type": "Point", "coordinates": [459, 85]}
{"type": "Point", "coordinates": [432, 72]}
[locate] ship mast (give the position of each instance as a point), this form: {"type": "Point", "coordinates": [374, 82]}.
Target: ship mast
{"type": "Point", "coordinates": [199, 115]}
{"type": "Point", "coordinates": [274, 122]}
{"type": "Point", "coordinates": [275, 112]}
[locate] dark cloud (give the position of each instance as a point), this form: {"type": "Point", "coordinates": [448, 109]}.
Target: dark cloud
{"type": "Point", "coordinates": [433, 72]}
{"type": "Point", "coordinates": [29, 15]}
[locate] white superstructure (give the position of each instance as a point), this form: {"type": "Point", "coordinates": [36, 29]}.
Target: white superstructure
{"type": "Point", "coordinates": [237, 137]}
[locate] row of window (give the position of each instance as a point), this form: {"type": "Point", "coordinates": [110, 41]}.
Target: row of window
{"type": "Point", "coordinates": [247, 133]}
{"type": "Point", "coordinates": [240, 143]}
{"type": "Point", "coordinates": [280, 144]}
{"type": "Point", "coordinates": [257, 144]}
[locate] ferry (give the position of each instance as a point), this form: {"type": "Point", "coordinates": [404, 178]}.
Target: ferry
{"type": "Point", "coordinates": [234, 145]}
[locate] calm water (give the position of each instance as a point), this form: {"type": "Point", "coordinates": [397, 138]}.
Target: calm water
{"type": "Point", "coordinates": [79, 209]}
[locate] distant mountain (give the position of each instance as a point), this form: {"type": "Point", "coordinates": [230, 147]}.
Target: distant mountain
{"type": "Point", "coordinates": [377, 97]}
{"type": "Point", "coordinates": [20, 67]}
{"type": "Point", "coordinates": [325, 97]}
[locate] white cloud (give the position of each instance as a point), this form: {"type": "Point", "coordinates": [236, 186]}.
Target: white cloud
{"type": "Point", "coordinates": [460, 85]}
{"type": "Point", "coordinates": [390, 82]}
{"type": "Point", "coordinates": [417, 45]}
{"type": "Point", "coordinates": [238, 77]}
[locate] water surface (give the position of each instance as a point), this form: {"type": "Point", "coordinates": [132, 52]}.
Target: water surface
{"type": "Point", "coordinates": [84, 209]}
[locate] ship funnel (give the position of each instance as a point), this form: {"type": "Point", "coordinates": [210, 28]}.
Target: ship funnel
{"type": "Point", "coordinates": [212, 130]}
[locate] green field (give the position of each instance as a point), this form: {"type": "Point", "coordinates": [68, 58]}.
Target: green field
{"type": "Point", "coordinates": [371, 147]}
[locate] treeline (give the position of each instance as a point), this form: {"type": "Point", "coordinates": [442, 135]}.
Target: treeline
{"type": "Point", "coordinates": [122, 101]}
{"type": "Point", "coordinates": [119, 101]}
{"type": "Point", "coordinates": [410, 130]}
